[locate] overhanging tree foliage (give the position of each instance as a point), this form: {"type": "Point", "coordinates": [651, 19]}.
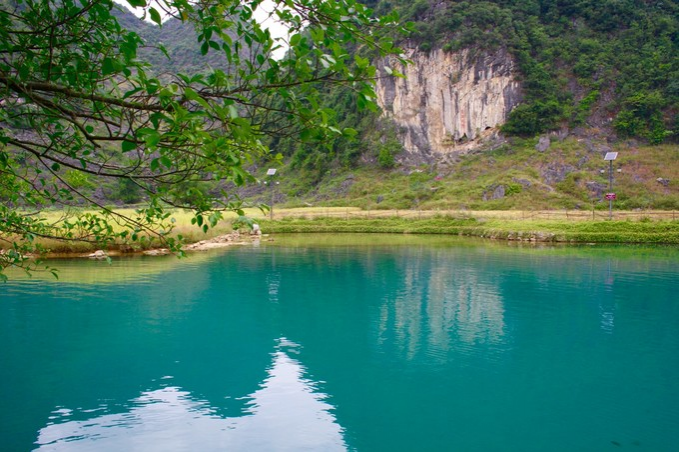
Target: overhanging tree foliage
{"type": "Point", "coordinates": [76, 100]}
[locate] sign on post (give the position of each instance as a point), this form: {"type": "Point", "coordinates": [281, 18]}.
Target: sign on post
{"type": "Point", "coordinates": [610, 196]}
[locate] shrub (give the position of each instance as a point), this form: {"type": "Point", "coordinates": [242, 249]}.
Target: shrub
{"type": "Point", "coordinates": [128, 191]}
{"type": "Point", "coordinates": [242, 222]}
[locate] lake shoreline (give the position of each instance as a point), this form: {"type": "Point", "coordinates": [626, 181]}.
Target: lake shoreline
{"type": "Point", "coordinates": [543, 231]}
{"type": "Point", "coordinates": [511, 230]}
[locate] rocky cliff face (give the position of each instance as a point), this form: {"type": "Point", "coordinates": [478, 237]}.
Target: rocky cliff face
{"type": "Point", "coordinates": [449, 102]}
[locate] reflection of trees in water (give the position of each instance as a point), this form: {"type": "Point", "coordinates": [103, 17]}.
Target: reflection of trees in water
{"type": "Point", "coordinates": [439, 305]}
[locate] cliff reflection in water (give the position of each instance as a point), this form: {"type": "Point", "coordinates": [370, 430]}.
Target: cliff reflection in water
{"type": "Point", "coordinates": [441, 304]}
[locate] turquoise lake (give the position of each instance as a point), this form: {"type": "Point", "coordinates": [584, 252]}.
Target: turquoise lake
{"type": "Point", "coordinates": [347, 343]}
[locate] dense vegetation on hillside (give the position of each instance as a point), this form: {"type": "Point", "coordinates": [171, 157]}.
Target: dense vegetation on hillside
{"type": "Point", "coordinates": [583, 62]}
{"type": "Point", "coordinates": [611, 65]}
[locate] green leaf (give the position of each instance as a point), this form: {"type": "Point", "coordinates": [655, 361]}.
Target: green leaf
{"type": "Point", "coordinates": [192, 95]}
{"type": "Point", "coordinates": [349, 132]}
{"type": "Point", "coordinates": [132, 92]}
{"type": "Point", "coordinates": [218, 126]}
{"type": "Point", "coordinates": [362, 63]}
{"type": "Point", "coordinates": [163, 49]}
{"type": "Point", "coordinates": [165, 160]}
{"type": "Point", "coordinates": [155, 15]}
{"type": "Point", "coordinates": [152, 139]}
{"type": "Point", "coordinates": [109, 66]}
{"type": "Point", "coordinates": [128, 146]}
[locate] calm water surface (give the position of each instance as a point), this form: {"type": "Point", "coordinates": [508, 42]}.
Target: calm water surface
{"type": "Point", "coordinates": [409, 344]}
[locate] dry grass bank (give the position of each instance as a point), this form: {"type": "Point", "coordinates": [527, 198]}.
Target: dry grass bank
{"type": "Point", "coordinates": [627, 226]}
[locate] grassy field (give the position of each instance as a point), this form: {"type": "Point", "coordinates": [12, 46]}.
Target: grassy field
{"type": "Point", "coordinates": [569, 231]}
{"type": "Point", "coordinates": [570, 175]}
{"type": "Point", "coordinates": [508, 192]}
{"type": "Point", "coordinates": [531, 226]}
{"type": "Point", "coordinates": [569, 215]}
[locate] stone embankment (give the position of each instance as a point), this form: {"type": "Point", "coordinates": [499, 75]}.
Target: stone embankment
{"type": "Point", "coordinates": [234, 238]}
{"type": "Point", "coordinates": [222, 241]}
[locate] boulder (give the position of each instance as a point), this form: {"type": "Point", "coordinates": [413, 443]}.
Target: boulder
{"type": "Point", "coordinates": [664, 182]}
{"type": "Point", "coordinates": [543, 144]}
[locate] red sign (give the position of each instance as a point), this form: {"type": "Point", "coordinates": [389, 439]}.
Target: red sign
{"type": "Point", "coordinates": [610, 196]}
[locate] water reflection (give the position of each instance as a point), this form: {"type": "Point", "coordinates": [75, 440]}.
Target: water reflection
{"type": "Point", "coordinates": [440, 306]}
{"type": "Point", "coordinates": [606, 306]}
{"type": "Point", "coordinates": [287, 413]}
{"type": "Point", "coordinates": [121, 269]}
{"type": "Point", "coordinates": [418, 348]}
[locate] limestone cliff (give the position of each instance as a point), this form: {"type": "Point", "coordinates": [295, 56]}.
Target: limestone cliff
{"type": "Point", "coordinates": [449, 102]}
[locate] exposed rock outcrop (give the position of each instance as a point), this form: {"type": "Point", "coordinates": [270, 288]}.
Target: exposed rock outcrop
{"type": "Point", "coordinates": [543, 144]}
{"type": "Point", "coordinates": [449, 102]}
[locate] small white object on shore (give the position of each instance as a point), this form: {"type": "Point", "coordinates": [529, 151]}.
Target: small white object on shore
{"type": "Point", "coordinates": [99, 254]}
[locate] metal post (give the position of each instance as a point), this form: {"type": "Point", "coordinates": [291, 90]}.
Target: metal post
{"type": "Point", "coordinates": [610, 189]}
{"type": "Point", "coordinates": [593, 201]}
{"type": "Point", "coordinates": [271, 172]}
{"type": "Point", "coordinates": [609, 157]}
{"type": "Point", "coordinates": [271, 210]}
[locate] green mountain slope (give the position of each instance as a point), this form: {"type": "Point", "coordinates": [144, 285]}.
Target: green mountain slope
{"type": "Point", "coordinates": [582, 63]}
{"type": "Point", "coordinates": [570, 174]}
{"type": "Point", "coordinates": [608, 69]}
{"type": "Point", "coordinates": [182, 52]}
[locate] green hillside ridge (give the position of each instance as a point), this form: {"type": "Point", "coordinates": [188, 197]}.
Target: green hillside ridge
{"type": "Point", "coordinates": [606, 71]}
{"type": "Point", "coordinates": [577, 74]}
{"type": "Point", "coordinates": [582, 63]}
{"type": "Point", "coordinates": [182, 52]}
{"type": "Point", "coordinates": [571, 174]}
{"type": "Point", "coordinates": [590, 63]}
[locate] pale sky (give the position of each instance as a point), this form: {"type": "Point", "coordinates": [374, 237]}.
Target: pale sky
{"type": "Point", "coordinates": [262, 15]}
